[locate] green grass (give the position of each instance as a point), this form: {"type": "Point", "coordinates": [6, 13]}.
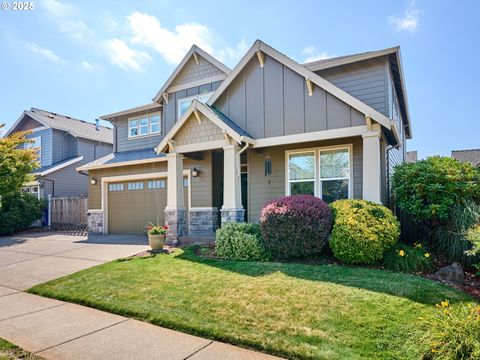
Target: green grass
{"type": "Point", "coordinates": [8, 351]}
{"type": "Point", "coordinates": [287, 309]}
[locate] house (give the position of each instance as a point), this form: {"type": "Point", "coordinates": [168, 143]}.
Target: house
{"type": "Point", "coordinates": [471, 156]}
{"type": "Point", "coordinates": [216, 144]}
{"type": "Point", "coordinates": [63, 143]}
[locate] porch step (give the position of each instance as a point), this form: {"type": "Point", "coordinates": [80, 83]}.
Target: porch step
{"type": "Point", "coordinates": [198, 238]}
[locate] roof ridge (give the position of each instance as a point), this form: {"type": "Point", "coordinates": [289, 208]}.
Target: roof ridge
{"type": "Point", "coordinates": [333, 58]}
{"type": "Point", "coordinates": [69, 117]}
{"type": "Point", "coordinates": [464, 150]}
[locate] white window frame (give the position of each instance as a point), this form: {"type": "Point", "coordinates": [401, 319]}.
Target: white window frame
{"type": "Point", "coordinates": [135, 186]}
{"type": "Point", "coordinates": [149, 125]}
{"type": "Point", "coordinates": [28, 190]}
{"type": "Point", "coordinates": [116, 187]}
{"type": "Point", "coordinates": [318, 180]}
{"type": "Point", "coordinates": [288, 181]}
{"type": "Point", "coordinates": [191, 98]}
{"type": "Point", "coordinates": [156, 184]}
{"type": "Point", "coordinates": [38, 148]}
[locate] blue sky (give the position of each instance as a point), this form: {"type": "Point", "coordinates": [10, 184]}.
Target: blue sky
{"type": "Point", "coordinates": [89, 58]}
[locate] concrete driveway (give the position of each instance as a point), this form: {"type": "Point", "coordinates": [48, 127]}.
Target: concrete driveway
{"type": "Point", "coordinates": [34, 258]}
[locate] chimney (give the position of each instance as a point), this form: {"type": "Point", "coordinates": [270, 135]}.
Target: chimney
{"type": "Point", "coordinates": [97, 121]}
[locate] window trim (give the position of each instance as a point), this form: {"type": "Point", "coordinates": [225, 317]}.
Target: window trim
{"type": "Point", "coordinates": [38, 148]}
{"type": "Point", "coordinates": [318, 180]}
{"type": "Point", "coordinates": [191, 98]}
{"type": "Point", "coordinates": [311, 151]}
{"type": "Point", "coordinates": [149, 125]}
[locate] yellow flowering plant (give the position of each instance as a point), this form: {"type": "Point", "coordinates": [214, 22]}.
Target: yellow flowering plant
{"type": "Point", "coordinates": [406, 258]}
{"type": "Point", "coordinates": [453, 332]}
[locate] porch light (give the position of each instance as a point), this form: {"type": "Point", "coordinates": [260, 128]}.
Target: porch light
{"type": "Point", "coordinates": [195, 172]}
{"type": "Point", "coordinates": [93, 181]}
{"type": "Point", "coordinates": [268, 165]}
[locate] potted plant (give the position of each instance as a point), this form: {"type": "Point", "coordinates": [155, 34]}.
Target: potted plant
{"type": "Point", "coordinates": [156, 236]}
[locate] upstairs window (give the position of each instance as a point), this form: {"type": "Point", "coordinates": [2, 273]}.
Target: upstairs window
{"type": "Point", "coordinates": [184, 104]}
{"type": "Point", "coordinates": [144, 125]}
{"type": "Point", "coordinates": [37, 145]}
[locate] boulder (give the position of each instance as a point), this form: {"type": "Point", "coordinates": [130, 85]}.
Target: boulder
{"type": "Point", "coordinates": [452, 274]}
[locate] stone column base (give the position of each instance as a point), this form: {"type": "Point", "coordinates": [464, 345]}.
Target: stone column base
{"type": "Point", "coordinates": [95, 222]}
{"type": "Point", "coordinates": [203, 220]}
{"type": "Point", "coordinates": [176, 220]}
{"type": "Point", "coordinates": [232, 215]}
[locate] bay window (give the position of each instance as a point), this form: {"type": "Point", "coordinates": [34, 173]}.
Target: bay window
{"type": "Point", "coordinates": [144, 125]}
{"type": "Point", "coordinates": [323, 172]}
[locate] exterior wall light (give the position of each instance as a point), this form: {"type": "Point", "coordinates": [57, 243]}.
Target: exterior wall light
{"type": "Point", "coordinates": [195, 172]}
{"type": "Point", "coordinates": [93, 181]}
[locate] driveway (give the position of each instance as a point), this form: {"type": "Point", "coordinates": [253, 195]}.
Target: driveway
{"type": "Point", "coordinates": [34, 258]}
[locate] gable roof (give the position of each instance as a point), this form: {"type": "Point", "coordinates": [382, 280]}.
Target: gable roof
{"type": "Point", "coordinates": [395, 60]}
{"type": "Point", "coordinates": [224, 123]}
{"type": "Point", "coordinates": [57, 166]}
{"type": "Point", "coordinates": [471, 156]}
{"type": "Point", "coordinates": [75, 127]}
{"type": "Point", "coordinates": [308, 75]}
{"type": "Point", "coordinates": [146, 107]}
{"type": "Point", "coordinates": [124, 158]}
{"type": "Point", "coordinates": [194, 51]}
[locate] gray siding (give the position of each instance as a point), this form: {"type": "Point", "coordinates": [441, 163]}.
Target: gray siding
{"type": "Point", "coordinates": [274, 101]}
{"type": "Point", "coordinates": [262, 189]}
{"type": "Point", "coordinates": [46, 141]}
{"type": "Point", "coordinates": [67, 182]}
{"type": "Point", "coordinates": [194, 72]}
{"type": "Point", "coordinates": [366, 80]}
{"type": "Point", "coordinates": [64, 146]}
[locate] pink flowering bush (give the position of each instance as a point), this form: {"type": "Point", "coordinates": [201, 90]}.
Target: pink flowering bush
{"type": "Point", "coordinates": [295, 226]}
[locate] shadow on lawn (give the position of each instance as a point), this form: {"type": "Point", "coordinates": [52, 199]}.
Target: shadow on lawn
{"type": "Point", "coordinates": [412, 287]}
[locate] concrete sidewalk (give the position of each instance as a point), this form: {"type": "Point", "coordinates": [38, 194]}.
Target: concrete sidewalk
{"type": "Point", "coordinates": [58, 330]}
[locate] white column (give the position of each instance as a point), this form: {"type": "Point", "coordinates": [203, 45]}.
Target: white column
{"type": "Point", "coordinates": [372, 166]}
{"type": "Point", "coordinates": [175, 196]}
{"type": "Point", "coordinates": [232, 189]}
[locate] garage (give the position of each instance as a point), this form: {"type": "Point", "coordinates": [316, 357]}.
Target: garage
{"type": "Point", "coordinates": [132, 204]}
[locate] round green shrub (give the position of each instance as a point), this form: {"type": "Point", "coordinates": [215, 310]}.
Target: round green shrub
{"type": "Point", "coordinates": [409, 259]}
{"type": "Point", "coordinates": [362, 231]}
{"type": "Point", "coordinates": [295, 226]}
{"type": "Point", "coordinates": [428, 189]}
{"type": "Point", "coordinates": [18, 212]}
{"type": "Point", "coordinates": [240, 241]}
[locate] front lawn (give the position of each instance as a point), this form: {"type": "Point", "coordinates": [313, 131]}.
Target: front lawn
{"type": "Point", "coordinates": [9, 351]}
{"type": "Point", "coordinates": [291, 310]}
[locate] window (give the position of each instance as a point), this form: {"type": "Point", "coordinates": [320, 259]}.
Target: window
{"type": "Point", "coordinates": [115, 187]}
{"type": "Point", "coordinates": [185, 182]}
{"type": "Point", "coordinates": [157, 184]}
{"type": "Point", "coordinates": [301, 173]}
{"type": "Point", "coordinates": [184, 104]}
{"type": "Point", "coordinates": [144, 125]}
{"type": "Point", "coordinates": [35, 144]}
{"type": "Point", "coordinates": [33, 190]}
{"type": "Point", "coordinates": [334, 174]}
{"type": "Point", "coordinates": [135, 185]}
{"type": "Point", "coordinates": [332, 180]}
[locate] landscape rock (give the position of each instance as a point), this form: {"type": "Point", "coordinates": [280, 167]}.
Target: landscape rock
{"type": "Point", "coordinates": [452, 274]}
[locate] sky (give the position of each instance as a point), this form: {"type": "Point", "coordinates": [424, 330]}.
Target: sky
{"type": "Point", "coordinates": [89, 58]}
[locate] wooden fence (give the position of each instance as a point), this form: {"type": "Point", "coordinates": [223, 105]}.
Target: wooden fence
{"type": "Point", "coordinates": [69, 213]}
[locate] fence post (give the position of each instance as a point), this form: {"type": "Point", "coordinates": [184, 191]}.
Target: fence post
{"type": "Point", "coordinates": [49, 214]}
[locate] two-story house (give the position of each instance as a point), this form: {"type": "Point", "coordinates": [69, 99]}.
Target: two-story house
{"type": "Point", "coordinates": [63, 143]}
{"type": "Point", "coordinates": [216, 144]}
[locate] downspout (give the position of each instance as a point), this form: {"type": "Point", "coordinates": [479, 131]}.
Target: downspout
{"type": "Point", "coordinates": [53, 185]}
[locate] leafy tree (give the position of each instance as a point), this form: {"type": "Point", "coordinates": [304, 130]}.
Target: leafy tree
{"type": "Point", "coordinates": [16, 163]}
{"type": "Point", "coordinates": [428, 189]}
{"type": "Point", "coordinates": [18, 212]}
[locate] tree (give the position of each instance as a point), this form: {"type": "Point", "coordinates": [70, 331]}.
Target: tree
{"type": "Point", "coordinates": [16, 163]}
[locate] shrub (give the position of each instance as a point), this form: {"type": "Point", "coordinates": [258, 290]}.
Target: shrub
{"type": "Point", "coordinates": [362, 231]}
{"type": "Point", "coordinates": [295, 226]}
{"type": "Point", "coordinates": [451, 240]}
{"type": "Point", "coordinates": [427, 189]}
{"type": "Point", "coordinates": [406, 258]}
{"type": "Point", "coordinates": [18, 212]}
{"type": "Point", "coordinates": [451, 333]}
{"type": "Point", "coordinates": [473, 236]}
{"type": "Point", "coordinates": [240, 241]}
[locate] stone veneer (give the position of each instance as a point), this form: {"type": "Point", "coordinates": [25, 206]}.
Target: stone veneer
{"type": "Point", "coordinates": [233, 215]}
{"type": "Point", "coordinates": [95, 222]}
{"type": "Point", "coordinates": [203, 220]}
{"type": "Point", "coordinates": [176, 220]}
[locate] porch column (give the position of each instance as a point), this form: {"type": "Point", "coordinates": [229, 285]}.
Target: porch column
{"type": "Point", "coordinates": [232, 209]}
{"type": "Point", "coordinates": [372, 166]}
{"type": "Point", "coordinates": [175, 212]}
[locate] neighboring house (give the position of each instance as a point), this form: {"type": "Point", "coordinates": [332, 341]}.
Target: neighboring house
{"type": "Point", "coordinates": [471, 156]}
{"type": "Point", "coordinates": [224, 142]}
{"type": "Point", "coordinates": [411, 156]}
{"type": "Point", "coordinates": [63, 143]}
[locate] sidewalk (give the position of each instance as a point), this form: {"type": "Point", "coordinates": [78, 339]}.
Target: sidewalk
{"type": "Point", "coordinates": [58, 330]}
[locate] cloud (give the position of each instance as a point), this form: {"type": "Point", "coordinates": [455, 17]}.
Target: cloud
{"type": "Point", "coordinates": [65, 16]}
{"type": "Point", "coordinates": [89, 66]}
{"type": "Point", "coordinates": [125, 57]}
{"type": "Point", "coordinates": [408, 22]}
{"type": "Point", "coordinates": [45, 53]}
{"type": "Point", "coordinates": [172, 45]}
{"type": "Point", "coordinates": [232, 55]}
{"type": "Point", "coordinates": [312, 54]}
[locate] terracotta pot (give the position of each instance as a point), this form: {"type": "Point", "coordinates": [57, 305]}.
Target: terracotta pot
{"type": "Point", "coordinates": [156, 242]}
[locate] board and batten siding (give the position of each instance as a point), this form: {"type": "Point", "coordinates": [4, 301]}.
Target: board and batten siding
{"type": "Point", "coordinates": [273, 100]}
{"type": "Point", "coordinates": [262, 189]}
{"type": "Point", "coordinates": [366, 80]}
